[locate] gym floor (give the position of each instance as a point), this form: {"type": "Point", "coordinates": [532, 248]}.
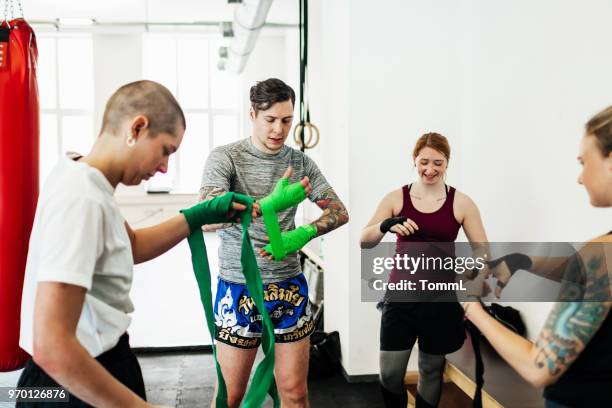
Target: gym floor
{"type": "Point", "coordinates": [186, 379]}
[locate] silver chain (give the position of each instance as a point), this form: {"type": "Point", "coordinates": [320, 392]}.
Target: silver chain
{"type": "Point", "coordinates": [12, 10]}
{"type": "Point", "coordinates": [20, 8]}
{"type": "Point", "coordinates": [6, 2]}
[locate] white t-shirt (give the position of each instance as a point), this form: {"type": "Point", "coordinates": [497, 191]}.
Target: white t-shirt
{"type": "Point", "coordinates": [79, 237]}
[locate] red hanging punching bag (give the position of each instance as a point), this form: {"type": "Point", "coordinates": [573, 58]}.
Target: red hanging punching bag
{"type": "Point", "coordinates": [19, 127]}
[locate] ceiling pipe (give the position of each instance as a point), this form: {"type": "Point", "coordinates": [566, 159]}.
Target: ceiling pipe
{"type": "Point", "coordinates": [249, 19]}
{"type": "Point", "coordinates": [90, 22]}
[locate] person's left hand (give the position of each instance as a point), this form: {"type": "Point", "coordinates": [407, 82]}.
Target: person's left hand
{"type": "Point", "coordinates": [502, 273]}
{"type": "Point", "coordinates": [477, 287]}
{"type": "Point", "coordinates": [305, 182]}
{"type": "Point", "coordinates": [256, 210]}
{"type": "Point", "coordinates": [471, 308]}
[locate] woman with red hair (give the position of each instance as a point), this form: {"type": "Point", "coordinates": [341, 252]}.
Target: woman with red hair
{"type": "Point", "coordinates": [427, 210]}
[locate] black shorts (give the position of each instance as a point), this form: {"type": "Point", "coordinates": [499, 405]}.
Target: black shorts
{"type": "Point", "coordinates": [119, 361]}
{"type": "Point", "coordinates": [439, 326]}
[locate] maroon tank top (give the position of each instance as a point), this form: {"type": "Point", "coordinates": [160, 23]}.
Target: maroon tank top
{"type": "Point", "coordinates": [438, 226]}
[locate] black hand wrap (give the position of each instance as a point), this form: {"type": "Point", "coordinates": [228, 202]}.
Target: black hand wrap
{"type": "Point", "coordinates": [386, 225]}
{"type": "Point", "coordinates": [514, 261]}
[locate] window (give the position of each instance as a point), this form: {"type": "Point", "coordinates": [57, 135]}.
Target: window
{"type": "Point", "coordinates": [65, 82]}
{"type": "Point", "coordinates": [186, 64]}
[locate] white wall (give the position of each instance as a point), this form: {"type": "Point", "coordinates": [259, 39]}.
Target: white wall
{"type": "Point", "coordinates": [329, 104]}
{"type": "Point", "coordinates": [510, 85]}
{"type": "Point", "coordinates": [266, 61]}
{"type": "Point", "coordinates": [538, 71]}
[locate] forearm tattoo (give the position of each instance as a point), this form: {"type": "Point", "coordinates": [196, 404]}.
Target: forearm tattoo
{"type": "Point", "coordinates": [572, 323]}
{"type": "Point", "coordinates": [207, 193]}
{"type": "Point", "coordinates": [334, 212]}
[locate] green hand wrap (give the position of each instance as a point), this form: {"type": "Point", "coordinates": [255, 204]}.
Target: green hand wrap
{"type": "Point", "coordinates": [209, 212]}
{"type": "Point", "coordinates": [282, 197]}
{"type": "Point", "coordinates": [295, 240]}
{"type": "Point", "coordinates": [212, 212]}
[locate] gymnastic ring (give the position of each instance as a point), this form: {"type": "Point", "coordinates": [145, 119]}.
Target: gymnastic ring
{"type": "Point", "coordinates": [296, 133]}
{"type": "Point", "coordinates": [312, 130]}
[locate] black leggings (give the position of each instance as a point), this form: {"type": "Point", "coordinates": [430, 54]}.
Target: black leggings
{"type": "Point", "coordinates": [119, 361]}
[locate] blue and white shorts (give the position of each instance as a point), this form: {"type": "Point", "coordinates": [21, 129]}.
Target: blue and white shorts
{"type": "Point", "coordinates": [238, 322]}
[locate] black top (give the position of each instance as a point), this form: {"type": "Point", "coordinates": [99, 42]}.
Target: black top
{"type": "Point", "coordinates": [588, 381]}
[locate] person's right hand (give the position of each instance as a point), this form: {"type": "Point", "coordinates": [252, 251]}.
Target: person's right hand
{"type": "Point", "coordinates": [403, 226]}
{"type": "Point", "coordinates": [293, 241]}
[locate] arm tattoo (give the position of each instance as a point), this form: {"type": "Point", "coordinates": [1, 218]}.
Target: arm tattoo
{"type": "Point", "coordinates": [207, 193]}
{"type": "Point", "coordinates": [574, 320]}
{"type": "Point", "coordinates": [334, 212]}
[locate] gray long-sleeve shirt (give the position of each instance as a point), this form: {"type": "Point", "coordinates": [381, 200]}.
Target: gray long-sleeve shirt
{"type": "Point", "coordinates": [242, 168]}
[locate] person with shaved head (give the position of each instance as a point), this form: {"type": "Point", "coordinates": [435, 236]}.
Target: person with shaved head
{"type": "Point", "coordinates": [76, 304]}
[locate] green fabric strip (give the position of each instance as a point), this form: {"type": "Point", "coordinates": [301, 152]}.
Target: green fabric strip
{"type": "Point", "coordinates": [216, 209]}
{"type": "Point", "coordinates": [283, 196]}
{"type": "Point", "coordinates": [273, 229]}
{"type": "Point", "coordinates": [208, 212]}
